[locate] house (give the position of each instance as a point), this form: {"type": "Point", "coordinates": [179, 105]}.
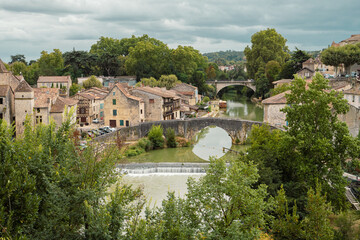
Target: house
{"type": "Point", "coordinates": [61, 82]}
{"type": "Point", "coordinates": [306, 73]}
{"type": "Point", "coordinates": [62, 108]}
{"type": "Point", "coordinates": [123, 109]}
{"type": "Point", "coordinates": [280, 82]}
{"type": "Point", "coordinates": [160, 104]}
{"type": "Point", "coordinates": [44, 98]}
{"type": "Point", "coordinates": [188, 90]}
{"type": "Point", "coordinates": [355, 38]}
{"type": "Point", "coordinates": [90, 105]}
{"type": "Point", "coordinates": [272, 107]}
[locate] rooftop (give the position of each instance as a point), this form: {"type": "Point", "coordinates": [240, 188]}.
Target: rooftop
{"type": "Point", "coordinates": [23, 87]}
{"type": "Point", "coordinates": [60, 104]}
{"type": "Point", "coordinates": [277, 99]}
{"type": "Point", "coordinates": [43, 96]}
{"type": "Point", "coordinates": [54, 79]}
{"type": "Point", "coordinates": [4, 90]}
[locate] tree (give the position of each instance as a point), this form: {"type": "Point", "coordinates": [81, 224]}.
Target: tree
{"type": "Point", "coordinates": [333, 56]}
{"type": "Point", "coordinates": [32, 73]}
{"type": "Point", "coordinates": [147, 59]}
{"type": "Point", "coordinates": [267, 45]}
{"type": "Point", "coordinates": [316, 223]}
{"type": "Point", "coordinates": [186, 60]}
{"type": "Point", "coordinates": [156, 136]}
{"type": "Point", "coordinates": [92, 82]}
{"type": "Point", "coordinates": [319, 143]}
{"type": "Point", "coordinates": [18, 68]}
{"type": "Point", "coordinates": [18, 58]}
{"type": "Point", "coordinates": [51, 64]}
{"type": "Point", "coordinates": [74, 89]}
{"type": "Point", "coordinates": [272, 69]}
{"type": "Point", "coordinates": [151, 82]}
{"type": "Point", "coordinates": [170, 138]}
{"type": "Point", "coordinates": [79, 63]}
{"type": "Point", "coordinates": [262, 83]}
{"type": "Point", "coordinates": [168, 81]}
{"type": "Point", "coordinates": [224, 202]}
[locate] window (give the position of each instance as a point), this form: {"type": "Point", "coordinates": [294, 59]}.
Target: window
{"type": "Point", "coordinates": [114, 101]}
{"type": "Point", "coordinates": [82, 110]}
{"type": "Point", "coordinates": [114, 112]}
{"type": "Point", "coordinates": [113, 93]}
{"type": "Point", "coordinates": [38, 119]}
{"type": "Point", "coordinates": [101, 114]}
{"type": "Point", "coordinates": [38, 110]}
{"type": "Point", "coordinates": [1, 116]}
{"type": "Point", "coordinates": [101, 106]}
{"type": "Point", "coordinates": [151, 101]}
{"type": "Point", "coordinates": [1, 100]}
{"type": "Point", "coordinates": [121, 122]}
{"type": "Point", "coordinates": [353, 98]}
{"type": "Point", "coordinates": [127, 123]}
{"type": "Point", "coordinates": [141, 110]}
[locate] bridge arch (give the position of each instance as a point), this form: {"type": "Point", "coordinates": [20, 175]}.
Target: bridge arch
{"type": "Point", "coordinates": [222, 84]}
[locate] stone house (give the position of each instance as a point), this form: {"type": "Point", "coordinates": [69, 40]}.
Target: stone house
{"type": "Point", "coordinates": [123, 109]}
{"type": "Point", "coordinates": [55, 82]}
{"type": "Point", "coordinates": [160, 104]}
{"type": "Point", "coordinates": [306, 73]}
{"type": "Point", "coordinates": [61, 108]}
{"type": "Point", "coordinates": [188, 90]}
{"type": "Point", "coordinates": [24, 105]}
{"type": "Point", "coordinates": [44, 98]}
{"type": "Point", "coordinates": [353, 96]}
{"type": "Point", "coordinates": [272, 107]}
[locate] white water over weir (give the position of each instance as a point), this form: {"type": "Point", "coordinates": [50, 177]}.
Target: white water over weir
{"type": "Point", "coordinates": [162, 168]}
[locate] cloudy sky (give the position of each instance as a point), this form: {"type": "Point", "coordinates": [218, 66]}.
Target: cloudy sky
{"type": "Point", "coordinates": [30, 26]}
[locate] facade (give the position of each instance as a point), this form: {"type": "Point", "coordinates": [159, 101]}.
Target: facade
{"type": "Point", "coordinates": [306, 73]}
{"type": "Point", "coordinates": [63, 107]}
{"type": "Point", "coordinates": [188, 90]}
{"type": "Point", "coordinates": [272, 107]}
{"type": "Point", "coordinates": [90, 105]}
{"type": "Point", "coordinates": [61, 82]}
{"type": "Point", "coordinates": [44, 98]}
{"type": "Point", "coordinates": [160, 104]}
{"type": "Point", "coordinates": [24, 106]}
{"type": "Point", "coordinates": [353, 96]}
{"type": "Point", "coordinates": [123, 109]}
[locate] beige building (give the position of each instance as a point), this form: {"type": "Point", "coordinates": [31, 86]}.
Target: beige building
{"type": "Point", "coordinates": [62, 108]}
{"type": "Point", "coordinates": [24, 105]}
{"type": "Point", "coordinates": [123, 109]}
{"type": "Point", "coordinates": [272, 107]}
{"type": "Point", "coordinates": [61, 82]}
{"type": "Point", "coordinates": [160, 104]}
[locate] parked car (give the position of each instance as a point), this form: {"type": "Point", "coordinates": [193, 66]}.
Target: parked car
{"type": "Point", "coordinates": [109, 128]}
{"type": "Point", "coordinates": [105, 129]}
{"type": "Point", "coordinates": [96, 121]}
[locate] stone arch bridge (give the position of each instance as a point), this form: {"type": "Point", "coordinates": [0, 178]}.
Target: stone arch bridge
{"type": "Point", "coordinates": [237, 129]}
{"type": "Point", "coordinates": [222, 84]}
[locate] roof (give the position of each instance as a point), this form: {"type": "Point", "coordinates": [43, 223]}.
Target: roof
{"type": "Point", "coordinates": [184, 87]}
{"type": "Point", "coordinates": [24, 87]}
{"type": "Point", "coordinates": [305, 68]}
{"type": "Point", "coordinates": [158, 91]}
{"type": "Point", "coordinates": [310, 60]}
{"type": "Point", "coordinates": [126, 93]}
{"type": "Point", "coordinates": [20, 77]}
{"type": "Point", "coordinates": [94, 93]}
{"type": "Point", "coordinates": [353, 91]}
{"type": "Point", "coordinates": [353, 38]}
{"type": "Point", "coordinates": [59, 105]}
{"type": "Point", "coordinates": [54, 79]}
{"type": "Point", "coordinates": [277, 99]}
{"type": "Point", "coordinates": [4, 90]}
{"type": "Point", "coordinates": [2, 67]}
{"type": "Point", "coordinates": [43, 96]}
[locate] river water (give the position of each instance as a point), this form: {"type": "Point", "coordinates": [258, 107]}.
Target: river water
{"type": "Point", "coordinates": [209, 143]}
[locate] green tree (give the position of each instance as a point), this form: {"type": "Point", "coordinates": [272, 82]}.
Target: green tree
{"type": "Point", "coordinates": [151, 82]}
{"type": "Point", "coordinates": [51, 64]}
{"type": "Point", "coordinates": [18, 58]}
{"type": "Point", "coordinates": [272, 69]}
{"type": "Point", "coordinates": [18, 68]}
{"type": "Point", "coordinates": [170, 138]}
{"type": "Point", "coordinates": [75, 88]}
{"type": "Point", "coordinates": [225, 203]}
{"type": "Point", "coordinates": [155, 135]}
{"type": "Point", "coordinates": [79, 63]}
{"type": "Point", "coordinates": [186, 60]}
{"type": "Point", "coordinates": [267, 45]}
{"type": "Point", "coordinates": [32, 73]}
{"type": "Point", "coordinates": [333, 56]}
{"type": "Point", "coordinates": [316, 223]}
{"type": "Point", "coordinates": [262, 83]}
{"type": "Point", "coordinates": [168, 81]}
{"type": "Point", "coordinates": [92, 82]}
{"type": "Point", "coordinates": [318, 141]}
{"type": "Point", "coordinates": [294, 64]}
{"type": "Point", "coordinates": [147, 59]}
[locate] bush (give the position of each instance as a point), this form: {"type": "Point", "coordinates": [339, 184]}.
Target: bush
{"type": "Point", "coordinates": [134, 151]}
{"type": "Point", "coordinates": [156, 136]}
{"type": "Point", "coordinates": [170, 138]}
{"type": "Point", "coordinates": [145, 144]}
{"type": "Point", "coordinates": [206, 99]}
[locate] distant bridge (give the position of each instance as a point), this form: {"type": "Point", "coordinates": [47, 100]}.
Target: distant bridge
{"type": "Point", "coordinates": [219, 84]}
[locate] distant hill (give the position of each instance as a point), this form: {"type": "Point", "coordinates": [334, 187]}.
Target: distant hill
{"type": "Point", "coordinates": [225, 57]}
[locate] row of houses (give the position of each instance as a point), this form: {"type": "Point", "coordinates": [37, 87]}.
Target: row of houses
{"type": "Point", "coordinates": [123, 105]}
{"type": "Point", "coordinates": [18, 100]}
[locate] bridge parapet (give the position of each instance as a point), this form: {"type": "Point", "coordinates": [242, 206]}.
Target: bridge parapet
{"type": "Point", "coordinates": [220, 84]}
{"type": "Point", "coordinates": [237, 129]}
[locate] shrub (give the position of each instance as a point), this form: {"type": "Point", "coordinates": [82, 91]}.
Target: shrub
{"type": "Point", "coordinates": [134, 151]}
{"type": "Point", "coordinates": [206, 99]}
{"type": "Point", "coordinates": [156, 136]}
{"type": "Point", "coordinates": [145, 144]}
{"type": "Point", "coordinates": [170, 138]}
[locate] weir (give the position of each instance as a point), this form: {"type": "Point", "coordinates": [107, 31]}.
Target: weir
{"type": "Point", "coordinates": [171, 168]}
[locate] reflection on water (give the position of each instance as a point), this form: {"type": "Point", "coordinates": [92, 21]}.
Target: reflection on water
{"type": "Point", "coordinates": [210, 142]}
{"type": "Point", "coordinates": [243, 108]}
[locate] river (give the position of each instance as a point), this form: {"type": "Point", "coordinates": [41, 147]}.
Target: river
{"type": "Point", "coordinates": [209, 143]}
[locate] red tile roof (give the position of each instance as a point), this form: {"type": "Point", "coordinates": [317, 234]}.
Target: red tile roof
{"type": "Point", "coordinates": [54, 79]}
